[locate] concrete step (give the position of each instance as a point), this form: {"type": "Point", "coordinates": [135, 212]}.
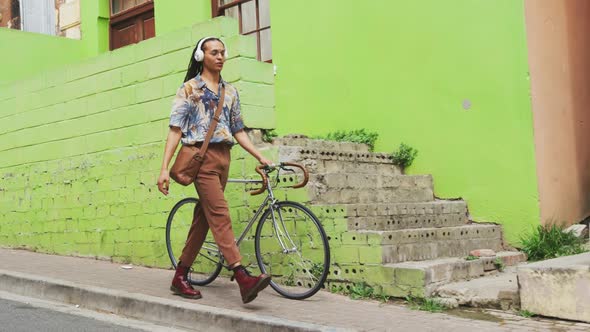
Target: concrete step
{"type": "Point", "coordinates": [389, 217]}
{"type": "Point", "coordinates": [366, 181]}
{"type": "Point", "coordinates": [423, 278]}
{"type": "Point", "coordinates": [497, 290]}
{"type": "Point", "coordinates": [320, 195]}
{"type": "Point", "coordinates": [290, 153]}
{"type": "Point", "coordinates": [431, 243]}
{"type": "Point", "coordinates": [343, 166]}
{"type": "Point", "coordinates": [363, 189]}
{"type": "Point", "coordinates": [308, 143]}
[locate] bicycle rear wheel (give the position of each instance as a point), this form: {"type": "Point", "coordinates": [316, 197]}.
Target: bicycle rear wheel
{"type": "Point", "coordinates": [209, 261]}
{"type": "Point", "coordinates": [300, 266]}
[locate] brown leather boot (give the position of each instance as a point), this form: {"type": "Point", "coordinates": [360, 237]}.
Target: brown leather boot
{"type": "Point", "coordinates": [249, 286]}
{"type": "Point", "coordinates": [181, 286]}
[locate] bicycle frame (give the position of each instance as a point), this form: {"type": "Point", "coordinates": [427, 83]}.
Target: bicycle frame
{"type": "Point", "coordinates": [268, 202]}
{"type": "Point", "coordinates": [269, 197]}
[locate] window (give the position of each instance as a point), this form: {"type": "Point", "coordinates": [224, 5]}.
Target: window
{"type": "Point", "coordinates": [29, 15]}
{"type": "Point", "coordinates": [254, 18]}
{"type": "Point", "coordinates": [131, 22]}
{"type": "Point", "coordinates": [38, 16]}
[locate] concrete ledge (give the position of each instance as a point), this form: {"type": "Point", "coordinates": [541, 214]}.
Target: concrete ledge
{"type": "Point", "coordinates": [494, 291]}
{"type": "Point", "coordinates": [425, 277]}
{"type": "Point", "coordinates": [557, 287]}
{"type": "Point", "coordinates": [147, 308]}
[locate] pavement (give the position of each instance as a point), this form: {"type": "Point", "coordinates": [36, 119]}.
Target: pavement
{"type": "Point", "coordinates": [142, 293]}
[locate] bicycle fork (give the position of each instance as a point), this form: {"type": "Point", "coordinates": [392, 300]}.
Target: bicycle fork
{"type": "Point", "coordinates": [281, 232]}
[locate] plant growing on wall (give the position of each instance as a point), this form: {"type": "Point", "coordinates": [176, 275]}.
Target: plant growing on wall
{"type": "Point", "coordinates": [404, 156]}
{"type": "Point", "coordinates": [269, 135]}
{"type": "Point", "coordinates": [355, 136]}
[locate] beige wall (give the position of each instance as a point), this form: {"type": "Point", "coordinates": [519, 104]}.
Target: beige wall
{"type": "Point", "coordinates": [559, 59]}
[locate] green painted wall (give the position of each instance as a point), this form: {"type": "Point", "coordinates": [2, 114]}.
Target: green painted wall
{"type": "Point", "coordinates": [25, 53]}
{"type": "Point", "coordinates": [94, 17]}
{"type": "Point", "coordinates": [403, 68]}
{"type": "Point", "coordinates": [172, 15]}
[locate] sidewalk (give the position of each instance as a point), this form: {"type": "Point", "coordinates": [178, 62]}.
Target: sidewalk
{"type": "Point", "coordinates": [142, 293]}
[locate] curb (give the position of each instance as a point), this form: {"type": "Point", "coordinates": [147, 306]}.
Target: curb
{"type": "Point", "coordinates": [148, 308]}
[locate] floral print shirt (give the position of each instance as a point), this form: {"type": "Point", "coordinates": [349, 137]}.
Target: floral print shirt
{"type": "Point", "coordinates": [193, 109]}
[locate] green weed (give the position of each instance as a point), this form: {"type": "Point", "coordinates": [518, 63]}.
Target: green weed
{"type": "Point", "coordinates": [425, 304]}
{"type": "Point", "coordinates": [404, 156]}
{"type": "Point", "coordinates": [290, 281]}
{"type": "Point", "coordinates": [525, 313]}
{"type": "Point", "coordinates": [361, 291]}
{"type": "Point", "coordinates": [354, 136]}
{"type": "Point", "coordinates": [547, 242]}
{"type": "Point", "coordinates": [471, 258]}
{"type": "Point", "coordinates": [316, 270]}
{"type": "Point", "coordinates": [269, 135]}
{"type": "Point", "coordinates": [499, 264]}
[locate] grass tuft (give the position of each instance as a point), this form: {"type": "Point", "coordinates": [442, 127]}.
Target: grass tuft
{"type": "Point", "coordinates": [546, 242]}
{"type": "Point", "coordinates": [425, 304]}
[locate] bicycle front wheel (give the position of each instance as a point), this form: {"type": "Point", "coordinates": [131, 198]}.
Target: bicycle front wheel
{"type": "Point", "coordinates": [292, 247]}
{"type": "Point", "coordinates": [209, 261]}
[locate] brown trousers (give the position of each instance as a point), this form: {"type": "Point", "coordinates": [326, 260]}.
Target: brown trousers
{"type": "Point", "coordinates": [212, 210]}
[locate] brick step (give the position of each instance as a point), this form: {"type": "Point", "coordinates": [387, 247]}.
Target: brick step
{"type": "Point", "coordinates": [402, 209]}
{"type": "Point", "coordinates": [320, 194]}
{"type": "Point", "coordinates": [292, 153]}
{"type": "Point", "coordinates": [366, 181]}
{"type": "Point", "coordinates": [424, 277]}
{"type": "Point", "coordinates": [389, 217]}
{"type": "Point", "coordinates": [431, 243]}
{"type": "Point", "coordinates": [391, 223]}
{"type": "Point", "coordinates": [342, 166]}
{"type": "Point", "coordinates": [308, 143]}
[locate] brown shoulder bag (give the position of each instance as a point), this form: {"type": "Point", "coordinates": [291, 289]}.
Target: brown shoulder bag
{"type": "Point", "coordinates": [190, 158]}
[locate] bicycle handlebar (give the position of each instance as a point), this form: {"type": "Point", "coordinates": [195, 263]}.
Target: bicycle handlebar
{"type": "Point", "coordinates": [263, 170]}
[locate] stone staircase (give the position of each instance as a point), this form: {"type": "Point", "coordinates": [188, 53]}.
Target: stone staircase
{"type": "Point", "coordinates": [387, 229]}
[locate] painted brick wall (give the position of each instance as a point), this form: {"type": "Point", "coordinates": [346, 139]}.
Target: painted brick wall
{"type": "Point", "coordinates": [81, 146]}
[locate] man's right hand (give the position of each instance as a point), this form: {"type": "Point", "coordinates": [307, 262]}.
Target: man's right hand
{"type": "Point", "coordinates": [164, 181]}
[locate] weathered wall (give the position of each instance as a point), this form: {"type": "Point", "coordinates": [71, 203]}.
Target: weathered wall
{"type": "Point", "coordinates": [405, 69]}
{"type": "Point", "coordinates": [560, 76]}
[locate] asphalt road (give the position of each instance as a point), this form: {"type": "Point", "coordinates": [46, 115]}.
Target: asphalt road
{"type": "Point", "coordinates": [24, 314]}
{"type": "Point", "coordinates": [17, 317]}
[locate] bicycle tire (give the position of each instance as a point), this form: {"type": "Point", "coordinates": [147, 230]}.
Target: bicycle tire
{"type": "Point", "coordinates": [288, 279]}
{"type": "Point", "coordinates": [206, 268]}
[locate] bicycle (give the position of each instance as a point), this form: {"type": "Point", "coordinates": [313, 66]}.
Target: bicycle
{"type": "Point", "coordinates": [290, 243]}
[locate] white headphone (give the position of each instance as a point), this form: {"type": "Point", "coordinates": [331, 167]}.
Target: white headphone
{"type": "Point", "coordinates": [200, 55]}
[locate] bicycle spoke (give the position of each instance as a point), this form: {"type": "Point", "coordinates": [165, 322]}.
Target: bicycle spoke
{"type": "Point", "coordinates": [299, 271]}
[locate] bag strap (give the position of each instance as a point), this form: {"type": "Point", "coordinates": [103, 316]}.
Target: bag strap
{"type": "Point", "coordinates": [199, 155]}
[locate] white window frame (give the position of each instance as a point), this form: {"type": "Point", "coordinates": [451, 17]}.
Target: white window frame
{"type": "Point", "coordinates": [44, 11]}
